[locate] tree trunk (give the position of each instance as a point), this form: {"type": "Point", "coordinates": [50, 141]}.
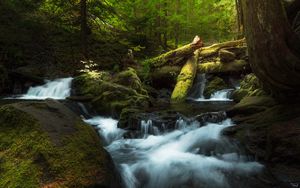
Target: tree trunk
{"type": "Point", "coordinates": [84, 27]}
{"type": "Point", "coordinates": [274, 49]}
{"type": "Point", "coordinates": [219, 67]}
{"type": "Point", "coordinates": [177, 56]}
{"type": "Point", "coordinates": [185, 80]}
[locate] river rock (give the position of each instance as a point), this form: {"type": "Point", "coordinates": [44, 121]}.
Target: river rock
{"type": "Point", "coordinates": [44, 144]}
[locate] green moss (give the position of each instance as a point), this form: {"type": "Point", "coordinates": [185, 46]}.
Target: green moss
{"type": "Point", "coordinates": [250, 86]}
{"type": "Point", "coordinates": [216, 84]}
{"type": "Point", "coordinates": [185, 81]}
{"type": "Point", "coordinates": [89, 83]}
{"type": "Point", "coordinates": [130, 79]}
{"type": "Point", "coordinates": [111, 96]}
{"type": "Point", "coordinates": [216, 66]}
{"type": "Point", "coordinates": [30, 159]}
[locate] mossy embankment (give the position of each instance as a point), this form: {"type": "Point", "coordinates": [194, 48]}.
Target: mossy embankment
{"type": "Point", "coordinates": [43, 144]}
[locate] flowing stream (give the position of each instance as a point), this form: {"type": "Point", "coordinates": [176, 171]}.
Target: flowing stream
{"type": "Point", "coordinates": [57, 89]}
{"type": "Point", "coordinates": [189, 156]}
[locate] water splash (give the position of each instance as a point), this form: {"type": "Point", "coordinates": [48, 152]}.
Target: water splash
{"type": "Point", "coordinates": [222, 95]}
{"type": "Point", "coordinates": [108, 128]}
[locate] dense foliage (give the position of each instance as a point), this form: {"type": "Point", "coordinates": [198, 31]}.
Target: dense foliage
{"type": "Point", "coordinates": [49, 32]}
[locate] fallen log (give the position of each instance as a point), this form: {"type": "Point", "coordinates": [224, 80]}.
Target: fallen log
{"type": "Point", "coordinates": [177, 56]}
{"type": "Point", "coordinates": [185, 79]}
{"type": "Point", "coordinates": [220, 67]}
{"type": "Point", "coordinates": [214, 49]}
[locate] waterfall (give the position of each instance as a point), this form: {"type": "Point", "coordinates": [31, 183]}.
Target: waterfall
{"type": "Point", "coordinates": [222, 95]}
{"type": "Point", "coordinates": [146, 127]}
{"type": "Point", "coordinates": [198, 87]}
{"type": "Point", "coordinates": [189, 156]}
{"type": "Point", "coordinates": [56, 89]}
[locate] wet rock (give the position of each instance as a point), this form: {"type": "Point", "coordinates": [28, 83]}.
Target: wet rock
{"type": "Point", "coordinates": [211, 117]}
{"type": "Point", "coordinates": [215, 84]}
{"type": "Point", "coordinates": [270, 131]}
{"type": "Point", "coordinates": [250, 86]}
{"type": "Point", "coordinates": [44, 144]}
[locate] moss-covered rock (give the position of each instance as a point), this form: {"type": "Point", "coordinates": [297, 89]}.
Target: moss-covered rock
{"type": "Point", "coordinates": [108, 96]}
{"type": "Point", "coordinates": [216, 84]}
{"type": "Point", "coordinates": [88, 84]}
{"type": "Point", "coordinates": [165, 77]}
{"type": "Point", "coordinates": [43, 144]}
{"type": "Point", "coordinates": [129, 78]}
{"type": "Point", "coordinates": [250, 86]}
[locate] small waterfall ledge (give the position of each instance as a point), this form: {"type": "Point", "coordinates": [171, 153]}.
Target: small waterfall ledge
{"type": "Point", "coordinates": [58, 89]}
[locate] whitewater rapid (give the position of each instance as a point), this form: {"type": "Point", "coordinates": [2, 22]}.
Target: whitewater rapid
{"type": "Point", "coordinates": [190, 156]}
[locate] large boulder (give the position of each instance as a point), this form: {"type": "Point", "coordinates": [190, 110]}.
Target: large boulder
{"type": "Point", "coordinates": [129, 78]}
{"type": "Point", "coordinates": [109, 95]}
{"type": "Point", "coordinates": [44, 144]}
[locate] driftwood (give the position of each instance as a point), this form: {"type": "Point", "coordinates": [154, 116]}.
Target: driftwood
{"type": "Point", "coordinates": [177, 56]}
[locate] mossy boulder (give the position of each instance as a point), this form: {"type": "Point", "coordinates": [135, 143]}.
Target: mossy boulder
{"type": "Point", "coordinates": [165, 77]}
{"type": "Point", "coordinates": [129, 78]}
{"type": "Point", "coordinates": [88, 84]}
{"type": "Point", "coordinates": [215, 84]}
{"type": "Point", "coordinates": [250, 86]}
{"type": "Point", "coordinates": [109, 97]}
{"type": "Point", "coordinates": [44, 144]}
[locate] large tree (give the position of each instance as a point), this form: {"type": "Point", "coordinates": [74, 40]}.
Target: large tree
{"type": "Point", "coordinates": [274, 48]}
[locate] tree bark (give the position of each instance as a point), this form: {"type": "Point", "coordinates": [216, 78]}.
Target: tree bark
{"type": "Point", "coordinates": [274, 48]}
